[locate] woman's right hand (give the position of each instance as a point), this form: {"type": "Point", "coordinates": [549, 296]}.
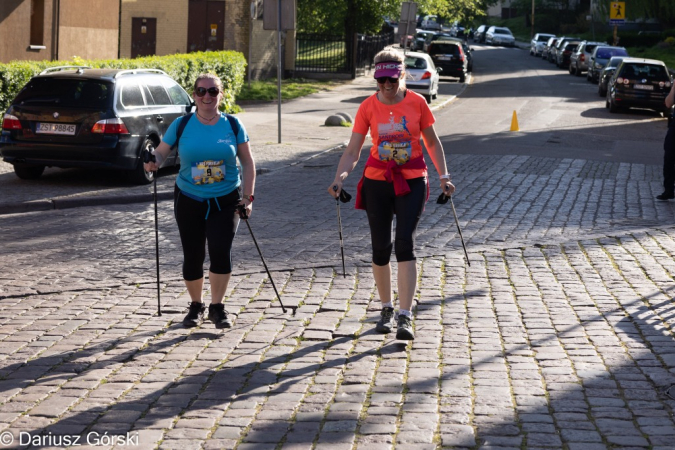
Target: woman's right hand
{"type": "Point", "coordinates": [150, 166]}
{"type": "Point", "coordinates": [335, 188]}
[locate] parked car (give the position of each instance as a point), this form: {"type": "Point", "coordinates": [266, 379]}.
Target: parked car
{"type": "Point", "coordinates": [548, 48]}
{"type": "Point", "coordinates": [581, 56]}
{"type": "Point", "coordinates": [600, 57]}
{"type": "Point", "coordinates": [640, 83]}
{"type": "Point", "coordinates": [449, 56]}
{"type": "Point", "coordinates": [538, 43]}
{"type": "Point", "coordinates": [479, 34]}
{"type": "Point", "coordinates": [563, 50]}
{"type": "Point", "coordinates": [499, 36]}
{"type": "Point", "coordinates": [94, 118]}
{"type": "Point", "coordinates": [420, 39]}
{"type": "Point", "coordinates": [607, 73]}
{"type": "Point", "coordinates": [436, 36]}
{"type": "Point", "coordinates": [457, 29]}
{"type": "Point", "coordinates": [468, 51]}
{"type": "Point", "coordinates": [431, 23]}
{"type": "Point", "coordinates": [421, 75]}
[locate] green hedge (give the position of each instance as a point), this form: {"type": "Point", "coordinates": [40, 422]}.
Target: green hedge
{"type": "Point", "coordinates": [230, 66]}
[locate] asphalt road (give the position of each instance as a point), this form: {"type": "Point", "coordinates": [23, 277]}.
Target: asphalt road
{"type": "Point", "coordinates": [559, 115]}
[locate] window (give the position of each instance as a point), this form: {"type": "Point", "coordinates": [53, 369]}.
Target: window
{"type": "Point", "coordinates": [131, 96]}
{"type": "Point", "coordinates": [37, 22]}
{"type": "Point", "coordinates": [61, 92]}
{"type": "Point", "coordinates": [176, 93]}
{"type": "Point", "coordinates": [158, 92]}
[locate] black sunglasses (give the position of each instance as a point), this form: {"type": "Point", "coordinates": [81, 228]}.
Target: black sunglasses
{"type": "Point", "coordinates": [201, 91]}
{"type": "Point", "coordinates": [383, 80]}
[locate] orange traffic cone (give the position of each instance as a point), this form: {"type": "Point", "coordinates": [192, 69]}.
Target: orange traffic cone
{"type": "Point", "coordinates": [514, 122]}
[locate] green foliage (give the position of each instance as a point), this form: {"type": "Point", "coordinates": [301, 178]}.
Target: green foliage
{"type": "Point", "coordinates": [266, 90]}
{"type": "Point", "coordinates": [633, 39]}
{"type": "Point", "coordinates": [230, 66]}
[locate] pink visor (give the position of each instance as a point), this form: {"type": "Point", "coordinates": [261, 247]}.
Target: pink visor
{"type": "Point", "coordinates": [388, 69]}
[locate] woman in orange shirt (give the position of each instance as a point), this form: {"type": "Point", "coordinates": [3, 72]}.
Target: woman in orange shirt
{"type": "Point", "coordinates": [394, 181]}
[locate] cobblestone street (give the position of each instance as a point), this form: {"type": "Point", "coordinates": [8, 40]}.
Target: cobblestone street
{"type": "Point", "coordinates": [558, 335]}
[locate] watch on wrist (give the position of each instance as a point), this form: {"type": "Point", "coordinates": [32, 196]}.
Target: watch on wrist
{"type": "Point", "coordinates": [445, 177]}
{"type": "Point", "coordinates": [248, 197]}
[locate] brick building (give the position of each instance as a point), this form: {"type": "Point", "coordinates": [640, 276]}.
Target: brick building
{"type": "Point", "coordinates": [163, 27]}
{"type": "Point", "coordinates": [58, 29]}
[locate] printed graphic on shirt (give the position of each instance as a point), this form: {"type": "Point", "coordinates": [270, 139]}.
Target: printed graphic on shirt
{"type": "Point", "coordinates": [394, 140]}
{"type": "Point", "coordinates": [208, 172]}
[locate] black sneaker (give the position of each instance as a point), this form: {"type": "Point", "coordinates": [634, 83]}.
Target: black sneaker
{"type": "Point", "coordinates": [194, 316]}
{"type": "Point", "coordinates": [386, 322]}
{"type": "Point", "coordinates": [666, 196]}
{"type": "Point", "coordinates": [219, 316]}
{"type": "Point", "coordinates": [405, 330]}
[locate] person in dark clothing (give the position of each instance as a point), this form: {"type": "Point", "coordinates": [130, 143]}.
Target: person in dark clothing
{"type": "Point", "coordinates": [669, 154]}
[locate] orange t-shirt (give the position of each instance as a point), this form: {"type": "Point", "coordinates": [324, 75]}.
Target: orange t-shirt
{"type": "Point", "coordinates": [395, 131]}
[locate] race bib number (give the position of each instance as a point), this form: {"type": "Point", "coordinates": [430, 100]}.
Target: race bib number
{"type": "Point", "coordinates": [208, 172]}
{"type": "Point", "coordinates": [398, 151]}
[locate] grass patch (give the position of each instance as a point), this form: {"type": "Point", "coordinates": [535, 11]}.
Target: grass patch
{"type": "Point", "coordinates": [667, 55]}
{"type": "Point", "coordinates": [266, 90]}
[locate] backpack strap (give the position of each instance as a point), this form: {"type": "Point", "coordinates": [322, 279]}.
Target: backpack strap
{"type": "Point", "coordinates": [186, 118]}
{"type": "Point", "coordinates": [181, 126]}
{"type": "Point", "coordinates": [233, 124]}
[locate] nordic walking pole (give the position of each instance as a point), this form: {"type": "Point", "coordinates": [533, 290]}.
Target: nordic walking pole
{"type": "Point", "coordinates": [149, 157]}
{"type": "Point", "coordinates": [344, 197]}
{"type": "Point", "coordinates": [459, 230]}
{"type": "Point", "coordinates": [244, 216]}
{"type": "Point", "coordinates": [442, 200]}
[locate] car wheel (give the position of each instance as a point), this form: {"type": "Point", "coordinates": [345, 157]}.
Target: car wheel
{"type": "Point", "coordinates": [602, 92]}
{"type": "Point", "coordinates": [462, 78]}
{"type": "Point", "coordinates": [612, 107]}
{"type": "Point", "coordinates": [577, 72]}
{"type": "Point", "coordinates": [531, 52]}
{"type": "Point", "coordinates": [26, 172]}
{"type": "Point", "coordinates": [427, 98]}
{"type": "Point", "coordinates": [139, 175]}
{"type": "Point", "coordinates": [589, 77]}
{"type": "Point", "coordinates": [571, 70]}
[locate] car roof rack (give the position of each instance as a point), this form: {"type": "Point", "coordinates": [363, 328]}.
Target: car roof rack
{"type": "Point", "coordinates": [59, 68]}
{"type": "Point", "coordinates": [134, 71]}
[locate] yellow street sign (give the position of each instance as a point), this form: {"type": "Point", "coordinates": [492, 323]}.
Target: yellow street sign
{"type": "Point", "coordinates": [617, 10]}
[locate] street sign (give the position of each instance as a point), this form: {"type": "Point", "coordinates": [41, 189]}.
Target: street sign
{"type": "Point", "coordinates": [408, 13]}
{"type": "Point", "coordinates": [617, 13]}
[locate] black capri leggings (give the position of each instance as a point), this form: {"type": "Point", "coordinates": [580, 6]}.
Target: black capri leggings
{"type": "Point", "coordinates": [196, 229]}
{"type": "Point", "coordinates": [381, 204]}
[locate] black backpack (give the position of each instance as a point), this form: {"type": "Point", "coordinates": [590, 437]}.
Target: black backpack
{"type": "Point", "coordinates": [186, 118]}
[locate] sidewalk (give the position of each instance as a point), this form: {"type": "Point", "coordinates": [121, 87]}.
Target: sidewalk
{"type": "Point", "coordinates": [304, 136]}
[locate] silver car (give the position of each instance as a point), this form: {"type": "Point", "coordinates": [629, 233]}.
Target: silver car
{"type": "Point", "coordinates": [579, 59]}
{"type": "Point", "coordinates": [599, 59]}
{"type": "Point", "coordinates": [500, 36]}
{"type": "Point", "coordinates": [539, 42]}
{"type": "Point", "coordinates": [421, 75]}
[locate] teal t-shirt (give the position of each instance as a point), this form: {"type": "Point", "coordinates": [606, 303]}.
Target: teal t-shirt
{"type": "Point", "coordinates": [208, 156]}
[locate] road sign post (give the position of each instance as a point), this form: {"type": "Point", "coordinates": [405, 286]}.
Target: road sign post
{"type": "Point", "coordinates": [617, 16]}
{"type": "Point", "coordinates": [407, 22]}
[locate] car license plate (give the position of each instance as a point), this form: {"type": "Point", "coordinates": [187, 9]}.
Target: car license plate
{"type": "Point", "coordinates": [644, 87]}
{"type": "Point", "coordinates": [55, 128]}
{"type": "Point", "coordinates": [444, 58]}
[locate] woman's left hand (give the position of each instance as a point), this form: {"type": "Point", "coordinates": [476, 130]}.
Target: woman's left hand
{"type": "Point", "coordinates": [248, 206]}
{"type": "Point", "coordinates": [447, 187]}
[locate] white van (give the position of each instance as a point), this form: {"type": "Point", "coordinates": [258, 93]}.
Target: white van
{"type": "Point", "coordinates": [431, 23]}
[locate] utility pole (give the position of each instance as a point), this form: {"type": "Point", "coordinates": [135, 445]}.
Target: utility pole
{"type": "Point", "coordinates": [532, 32]}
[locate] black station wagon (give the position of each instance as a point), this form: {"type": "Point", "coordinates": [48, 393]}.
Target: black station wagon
{"type": "Point", "coordinates": [91, 118]}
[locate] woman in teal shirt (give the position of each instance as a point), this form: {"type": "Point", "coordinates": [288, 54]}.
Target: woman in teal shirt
{"type": "Point", "coordinates": [206, 195]}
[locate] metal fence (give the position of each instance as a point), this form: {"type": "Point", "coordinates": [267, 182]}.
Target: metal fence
{"type": "Point", "coordinates": [320, 53]}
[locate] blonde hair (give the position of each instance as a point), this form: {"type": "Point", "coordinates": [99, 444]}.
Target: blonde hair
{"type": "Point", "coordinates": [209, 76]}
{"type": "Point", "coordinates": [389, 54]}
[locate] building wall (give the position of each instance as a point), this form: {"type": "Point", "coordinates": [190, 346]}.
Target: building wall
{"type": "Point", "coordinates": [15, 31]}
{"type": "Point", "coordinates": [172, 19]}
{"type": "Point", "coordinates": [88, 29]}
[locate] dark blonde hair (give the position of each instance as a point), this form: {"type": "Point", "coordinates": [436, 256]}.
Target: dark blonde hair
{"type": "Point", "coordinates": [209, 76]}
{"type": "Point", "coordinates": [388, 55]}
